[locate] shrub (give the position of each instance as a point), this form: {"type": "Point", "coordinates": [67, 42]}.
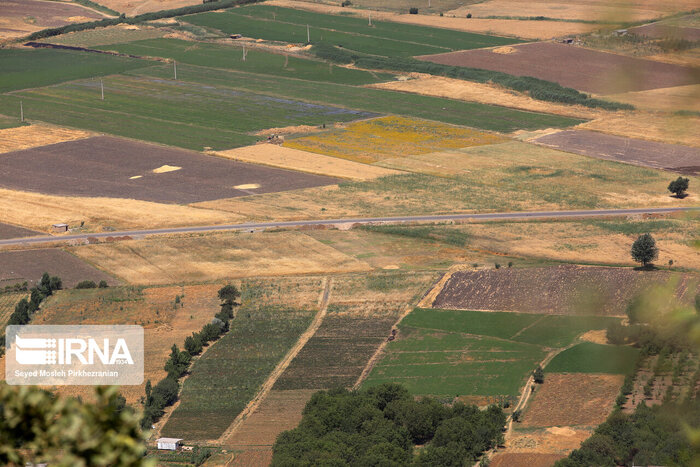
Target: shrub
{"type": "Point", "coordinates": [679, 187]}
{"type": "Point", "coordinates": [86, 285]}
{"type": "Point", "coordinates": [517, 415]}
{"type": "Point", "coordinates": [103, 284]}
{"type": "Point", "coordinates": [413, 11]}
{"type": "Point", "coordinates": [346, 3]}
{"type": "Point", "coordinates": [538, 375]}
{"type": "Point", "coordinates": [469, 15]}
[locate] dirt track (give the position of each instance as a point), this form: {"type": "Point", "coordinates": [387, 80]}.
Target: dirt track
{"type": "Point", "coordinates": [674, 157]}
{"type": "Point", "coordinates": [120, 168]}
{"type": "Point", "coordinates": [583, 69]}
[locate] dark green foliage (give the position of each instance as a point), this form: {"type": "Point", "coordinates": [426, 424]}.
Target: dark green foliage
{"type": "Point", "coordinates": [432, 233]}
{"type": "Point", "coordinates": [103, 284]}
{"type": "Point", "coordinates": [26, 308]}
{"type": "Point", "coordinates": [535, 88]}
{"type": "Point", "coordinates": [679, 187]}
{"type": "Point", "coordinates": [86, 285]}
{"type": "Point", "coordinates": [178, 362]}
{"type": "Point", "coordinates": [413, 11]}
{"type": "Point", "coordinates": [193, 344]}
{"type": "Point", "coordinates": [18, 287]}
{"type": "Point", "coordinates": [97, 6]}
{"type": "Point", "coordinates": [538, 375]}
{"type": "Point", "coordinates": [229, 293]}
{"type": "Point", "coordinates": [380, 425]}
{"type": "Point", "coordinates": [649, 436]}
{"type": "Point", "coordinates": [517, 415]}
{"type": "Point", "coordinates": [644, 249]}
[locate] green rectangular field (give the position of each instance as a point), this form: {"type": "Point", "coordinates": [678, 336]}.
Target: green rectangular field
{"type": "Point", "coordinates": [10, 122]}
{"type": "Point", "coordinates": [30, 68]}
{"type": "Point", "coordinates": [559, 331]}
{"type": "Point", "coordinates": [482, 116]}
{"type": "Point", "coordinates": [381, 38]}
{"type": "Point", "coordinates": [257, 60]}
{"type": "Point", "coordinates": [177, 113]}
{"type": "Point", "coordinates": [449, 364]}
{"type": "Point", "coordinates": [588, 357]}
{"type": "Point", "coordinates": [228, 375]}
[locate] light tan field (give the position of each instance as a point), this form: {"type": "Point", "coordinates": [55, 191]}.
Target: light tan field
{"type": "Point", "coordinates": [39, 211]}
{"type": "Point", "coordinates": [304, 161]}
{"type": "Point", "coordinates": [501, 27]}
{"type": "Point", "coordinates": [106, 36]}
{"type": "Point", "coordinates": [589, 10]}
{"type": "Point", "coordinates": [135, 7]}
{"type": "Point", "coordinates": [664, 99]}
{"type": "Point", "coordinates": [190, 259]}
{"type": "Point", "coordinates": [451, 88]}
{"type": "Point", "coordinates": [676, 129]}
{"type": "Point", "coordinates": [31, 136]}
{"type": "Point", "coordinates": [21, 17]}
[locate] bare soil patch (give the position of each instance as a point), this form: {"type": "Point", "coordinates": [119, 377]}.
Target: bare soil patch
{"type": "Point", "coordinates": [584, 69]}
{"type": "Point", "coordinates": [451, 88]}
{"type": "Point", "coordinates": [672, 157]}
{"type": "Point", "coordinates": [107, 166]}
{"type": "Point", "coordinates": [29, 265]}
{"type": "Point", "coordinates": [546, 440]}
{"type": "Point", "coordinates": [598, 336]}
{"type": "Point", "coordinates": [24, 137]}
{"type": "Point", "coordinates": [134, 7]}
{"type": "Point", "coordinates": [666, 31]}
{"type": "Point", "coordinates": [508, 459]}
{"type": "Point", "coordinates": [572, 399]}
{"type": "Point", "coordinates": [675, 129]}
{"type": "Point", "coordinates": [304, 161]}
{"type": "Point", "coordinates": [565, 289]}
{"type": "Point", "coordinates": [253, 457]}
{"type": "Point", "coordinates": [20, 17]}
{"type": "Point", "coordinates": [12, 231]}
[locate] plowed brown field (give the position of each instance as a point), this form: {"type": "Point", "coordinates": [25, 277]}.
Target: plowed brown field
{"type": "Point", "coordinates": [524, 459]}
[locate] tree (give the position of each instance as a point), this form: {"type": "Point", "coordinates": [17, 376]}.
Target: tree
{"type": "Point", "coordinates": [178, 362]}
{"type": "Point", "coordinates": [193, 344]}
{"type": "Point", "coordinates": [679, 187]}
{"type": "Point", "coordinates": [538, 375]}
{"type": "Point", "coordinates": [644, 249]}
{"type": "Point", "coordinates": [229, 293]}
{"type": "Point", "coordinates": [37, 426]}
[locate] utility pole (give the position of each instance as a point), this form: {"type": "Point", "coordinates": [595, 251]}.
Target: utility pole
{"type": "Point", "coordinates": [428, 3]}
{"type": "Point", "coordinates": [308, 34]}
{"type": "Point", "coordinates": [21, 112]}
{"type": "Point", "coordinates": [286, 60]}
{"type": "Point", "coordinates": [370, 18]}
{"type": "Point", "coordinates": [244, 53]}
{"type": "Point", "coordinates": [175, 69]}
{"type": "Point", "coordinates": [102, 91]}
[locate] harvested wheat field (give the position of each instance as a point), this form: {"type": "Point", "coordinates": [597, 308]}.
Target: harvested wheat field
{"type": "Point", "coordinates": [565, 289]}
{"type": "Point", "coordinates": [372, 140]}
{"type": "Point", "coordinates": [135, 7]}
{"type": "Point", "coordinates": [587, 10]}
{"type": "Point", "coordinates": [25, 137]}
{"type": "Point", "coordinates": [20, 17]}
{"type": "Point", "coordinates": [665, 99]}
{"type": "Point", "coordinates": [440, 86]}
{"type": "Point", "coordinates": [165, 321]}
{"type": "Point", "coordinates": [673, 129]}
{"type": "Point", "coordinates": [673, 157]}
{"type": "Point", "coordinates": [572, 399]}
{"type": "Point", "coordinates": [304, 161]}
{"type": "Point", "coordinates": [524, 459]}
{"type": "Point", "coordinates": [583, 69]}
{"type": "Point", "coordinates": [187, 259]}
{"type": "Point", "coordinates": [29, 265]}
{"type": "Point", "coordinates": [120, 168]}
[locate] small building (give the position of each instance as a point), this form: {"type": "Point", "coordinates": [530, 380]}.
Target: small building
{"type": "Point", "coordinates": [169, 444]}
{"type": "Point", "coordinates": [60, 227]}
{"type": "Point", "coordinates": [236, 36]}
{"type": "Point", "coordinates": [620, 32]}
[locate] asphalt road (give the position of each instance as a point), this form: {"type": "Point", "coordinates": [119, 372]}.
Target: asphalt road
{"type": "Point", "coordinates": [359, 220]}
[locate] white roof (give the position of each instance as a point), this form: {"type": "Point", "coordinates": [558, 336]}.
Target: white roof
{"type": "Point", "coordinates": [169, 440]}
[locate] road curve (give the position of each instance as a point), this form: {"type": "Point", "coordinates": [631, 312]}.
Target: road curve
{"type": "Point", "coordinates": [360, 220]}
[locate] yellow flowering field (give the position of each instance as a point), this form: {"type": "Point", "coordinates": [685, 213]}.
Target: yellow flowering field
{"type": "Point", "coordinates": [381, 138]}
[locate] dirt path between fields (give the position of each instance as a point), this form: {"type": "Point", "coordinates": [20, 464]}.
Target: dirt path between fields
{"type": "Point", "coordinates": [282, 365]}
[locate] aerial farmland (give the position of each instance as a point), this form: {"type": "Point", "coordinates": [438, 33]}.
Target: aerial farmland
{"type": "Point", "coordinates": [353, 233]}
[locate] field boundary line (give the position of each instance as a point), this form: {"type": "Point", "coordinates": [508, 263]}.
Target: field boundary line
{"type": "Point", "coordinates": [282, 365]}
{"type": "Point", "coordinates": [528, 327]}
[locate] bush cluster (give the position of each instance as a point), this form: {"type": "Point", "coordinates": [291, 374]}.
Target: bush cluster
{"type": "Point", "coordinates": [166, 391]}
{"type": "Point", "coordinates": [88, 284]}
{"type": "Point", "coordinates": [380, 426]}
{"type": "Point", "coordinates": [188, 10]}
{"type": "Point", "coordinates": [18, 287]}
{"type": "Point", "coordinates": [536, 88]}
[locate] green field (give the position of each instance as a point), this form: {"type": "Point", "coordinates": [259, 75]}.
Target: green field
{"type": "Point", "coordinates": [7, 305]}
{"type": "Point", "coordinates": [381, 38]}
{"type": "Point", "coordinates": [178, 113]}
{"type": "Point", "coordinates": [487, 117]}
{"type": "Point", "coordinates": [588, 357]}
{"type": "Point", "coordinates": [228, 375]}
{"type": "Point", "coordinates": [10, 122]}
{"type": "Point", "coordinates": [257, 60]}
{"type": "Point", "coordinates": [543, 330]}
{"type": "Point", "coordinates": [22, 69]}
{"type": "Point", "coordinates": [473, 353]}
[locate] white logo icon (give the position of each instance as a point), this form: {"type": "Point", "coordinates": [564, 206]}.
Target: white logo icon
{"type": "Point", "coordinates": [32, 351]}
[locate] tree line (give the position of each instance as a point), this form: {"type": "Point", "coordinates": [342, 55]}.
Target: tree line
{"type": "Point", "coordinates": [165, 393]}
{"type": "Point", "coordinates": [381, 426]}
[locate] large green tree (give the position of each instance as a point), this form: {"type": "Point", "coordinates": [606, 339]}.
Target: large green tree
{"type": "Point", "coordinates": [644, 249]}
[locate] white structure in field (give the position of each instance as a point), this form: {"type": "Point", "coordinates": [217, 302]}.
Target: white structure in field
{"type": "Point", "coordinates": [169, 444]}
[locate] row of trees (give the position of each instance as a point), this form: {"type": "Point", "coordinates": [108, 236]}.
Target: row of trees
{"type": "Point", "coordinates": [165, 393]}
{"type": "Point", "coordinates": [381, 425]}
